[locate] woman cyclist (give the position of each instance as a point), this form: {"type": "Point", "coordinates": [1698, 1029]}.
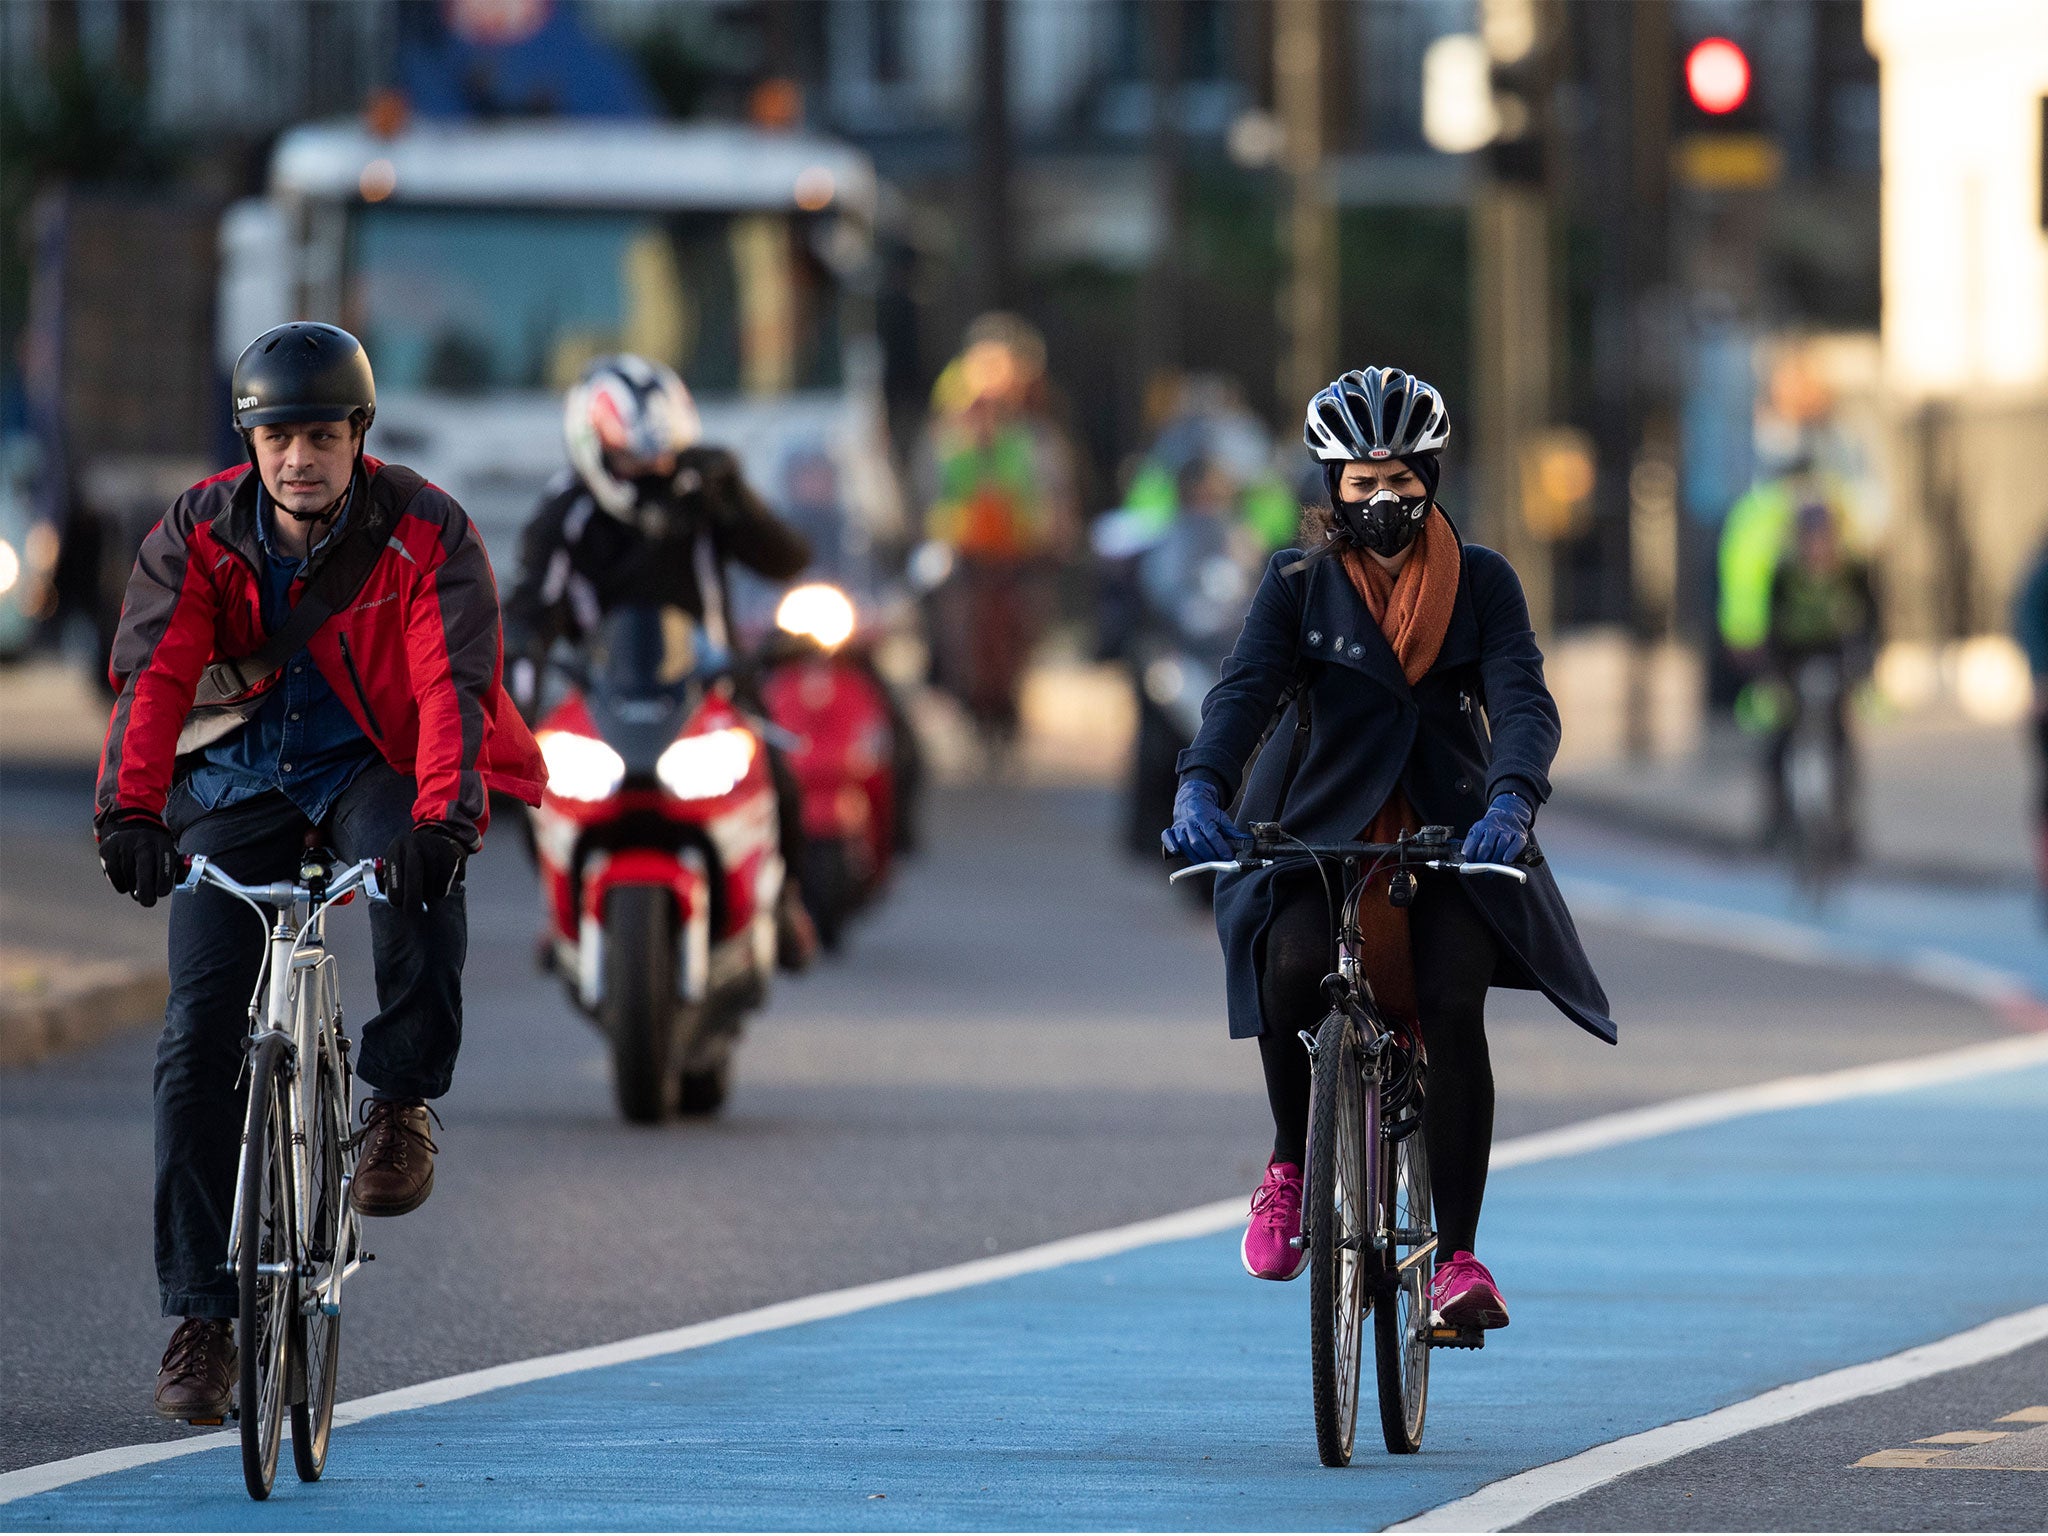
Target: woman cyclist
{"type": "Point", "coordinates": [1410, 693]}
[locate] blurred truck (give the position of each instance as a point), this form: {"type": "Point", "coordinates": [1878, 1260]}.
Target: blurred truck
{"type": "Point", "coordinates": [484, 265]}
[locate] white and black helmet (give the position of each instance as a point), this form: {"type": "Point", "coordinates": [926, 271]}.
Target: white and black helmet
{"type": "Point", "coordinates": [1376, 413]}
{"type": "Point", "coordinates": [630, 406]}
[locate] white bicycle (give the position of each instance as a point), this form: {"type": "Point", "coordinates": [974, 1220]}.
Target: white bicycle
{"type": "Point", "coordinates": [293, 1238]}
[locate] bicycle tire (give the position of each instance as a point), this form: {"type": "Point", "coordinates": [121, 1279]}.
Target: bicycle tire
{"type": "Point", "coordinates": [1401, 1314]}
{"type": "Point", "coordinates": [1335, 1221]}
{"type": "Point", "coordinates": [317, 1337]}
{"type": "Point", "coordinates": [265, 1304]}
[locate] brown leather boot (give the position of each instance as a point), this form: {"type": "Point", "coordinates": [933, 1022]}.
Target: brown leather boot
{"type": "Point", "coordinates": [395, 1173]}
{"type": "Point", "coordinates": [197, 1378]}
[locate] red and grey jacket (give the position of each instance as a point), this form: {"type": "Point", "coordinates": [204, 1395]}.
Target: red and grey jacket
{"type": "Point", "coordinates": [416, 657]}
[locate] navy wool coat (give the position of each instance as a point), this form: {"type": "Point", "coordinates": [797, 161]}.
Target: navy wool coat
{"type": "Point", "coordinates": [1480, 722]}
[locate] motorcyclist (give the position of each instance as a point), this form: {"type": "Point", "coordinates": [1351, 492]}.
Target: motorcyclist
{"type": "Point", "coordinates": [385, 730]}
{"type": "Point", "coordinates": [1379, 649]}
{"type": "Point", "coordinates": [648, 514]}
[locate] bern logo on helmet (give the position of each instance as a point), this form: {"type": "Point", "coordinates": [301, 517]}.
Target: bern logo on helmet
{"type": "Point", "coordinates": [243, 402]}
{"type": "Point", "coordinates": [1379, 453]}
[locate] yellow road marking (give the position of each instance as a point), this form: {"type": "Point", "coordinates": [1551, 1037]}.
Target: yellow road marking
{"type": "Point", "coordinates": [1976, 1450]}
{"type": "Point", "coordinates": [1905, 1458]}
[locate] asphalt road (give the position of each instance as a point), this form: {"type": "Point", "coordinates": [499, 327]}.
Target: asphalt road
{"type": "Point", "coordinates": [1025, 1043]}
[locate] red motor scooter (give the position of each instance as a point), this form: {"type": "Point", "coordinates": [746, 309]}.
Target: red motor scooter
{"type": "Point", "coordinates": [659, 860]}
{"type": "Point", "coordinates": [820, 685]}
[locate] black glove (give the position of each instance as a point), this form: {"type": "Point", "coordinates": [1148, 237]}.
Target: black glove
{"type": "Point", "coordinates": [140, 856]}
{"type": "Point", "coordinates": [721, 488]}
{"type": "Point", "coordinates": [422, 866]}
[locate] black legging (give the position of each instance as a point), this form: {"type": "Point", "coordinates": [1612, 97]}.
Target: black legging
{"type": "Point", "coordinates": [1455, 957]}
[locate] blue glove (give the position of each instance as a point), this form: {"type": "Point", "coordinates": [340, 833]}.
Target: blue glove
{"type": "Point", "coordinates": [1200, 831]}
{"type": "Point", "coordinates": [1502, 833]}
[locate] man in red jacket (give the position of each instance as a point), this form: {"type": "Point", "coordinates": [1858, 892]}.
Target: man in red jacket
{"type": "Point", "coordinates": [386, 730]}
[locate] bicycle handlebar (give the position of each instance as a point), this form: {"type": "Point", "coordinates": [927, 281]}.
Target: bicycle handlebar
{"type": "Point", "coordinates": [1431, 848]}
{"type": "Point", "coordinates": [364, 875]}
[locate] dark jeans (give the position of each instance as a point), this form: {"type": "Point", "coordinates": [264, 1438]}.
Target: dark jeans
{"type": "Point", "coordinates": [217, 945]}
{"type": "Point", "coordinates": [1455, 956]}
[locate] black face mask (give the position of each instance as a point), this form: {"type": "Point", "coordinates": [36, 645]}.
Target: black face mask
{"type": "Point", "coordinates": [1386, 522]}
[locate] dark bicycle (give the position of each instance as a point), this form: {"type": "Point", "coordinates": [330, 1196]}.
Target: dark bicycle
{"type": "Point", "coordinates": [1367, 1221]}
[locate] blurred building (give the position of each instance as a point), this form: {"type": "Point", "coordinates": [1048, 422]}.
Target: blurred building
{"type": "Point", "coordinates": [1965, 124]}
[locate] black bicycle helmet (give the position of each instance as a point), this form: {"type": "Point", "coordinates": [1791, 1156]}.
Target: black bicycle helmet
{"type": "Point", "coordinates": [303, 371]}
{"type": "Point", "coordinates": [1376, 413]}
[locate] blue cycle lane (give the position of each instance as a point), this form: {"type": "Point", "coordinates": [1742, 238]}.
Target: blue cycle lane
{"type": "Point", "coordinates": [1651, 1281]}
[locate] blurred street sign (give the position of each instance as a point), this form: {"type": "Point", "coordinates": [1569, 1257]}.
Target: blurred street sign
{"type": "Point", "coordinates": [495, 23]}
{"type": "Point", "coordinates": [1557, 475]}
{"type": "Point", "coordinates": [1728, 162]}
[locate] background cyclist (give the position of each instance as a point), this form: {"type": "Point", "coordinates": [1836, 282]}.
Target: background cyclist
{"type": "Point", "coordinates": [387, 730]}
{"type": "Point", "coordinates": [1397, 635]}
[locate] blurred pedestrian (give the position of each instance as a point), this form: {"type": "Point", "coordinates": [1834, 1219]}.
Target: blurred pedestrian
{"type": "Point", "coordinates": [648, 515]}
{"type": "Point", "coordinates": [999, 487]}
{"type": "Point", "coordinates": [336, 618]}
{"type": "Point", "coordinates": [2030, 628]}
{"type": "Point", "coordinates": [1378, 650]}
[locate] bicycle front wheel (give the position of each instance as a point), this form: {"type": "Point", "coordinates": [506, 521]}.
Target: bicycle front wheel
{"type": "Point", "coordinates": [1401, 1325]}
{"type": "Point", "coordinates": [265, 1265]}
{"type": "Point", "coordinates": [331, 1239]}
{"type": "Point", "coordinates": [1339, 1234]}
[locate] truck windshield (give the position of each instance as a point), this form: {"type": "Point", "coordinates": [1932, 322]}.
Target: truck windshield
{"type": "Point", "coordinates": [463, 300]}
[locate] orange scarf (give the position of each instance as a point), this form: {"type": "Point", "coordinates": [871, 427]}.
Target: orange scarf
{"type": "Point", "coordinates": [1413, 610]}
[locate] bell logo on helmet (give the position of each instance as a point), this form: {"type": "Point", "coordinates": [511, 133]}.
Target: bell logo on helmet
{"type": "Point", "coordinates": [1380, 453]}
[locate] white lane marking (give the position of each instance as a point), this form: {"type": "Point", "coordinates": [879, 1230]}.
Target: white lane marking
{"type": "Point", "coordinates": [1514, 1499]}
{"type": "Point", "coordinates": [1803, 1092]}
{"type": "Point", "coordinates": [1201, 1221]}
{"type": "Point", "coordinates": [1780, 938]}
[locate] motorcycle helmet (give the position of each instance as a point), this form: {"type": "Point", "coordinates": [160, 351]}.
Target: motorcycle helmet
{"type": "Point", "coordinates": [1378, 414]}
{"type": "Point", "coordinates": [303, 371]}
{"type": "Point", "coordinates": [626, 412]}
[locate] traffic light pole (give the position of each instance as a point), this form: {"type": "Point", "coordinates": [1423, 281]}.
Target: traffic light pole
{"type": "Point", "coordinates": [1308, 312]}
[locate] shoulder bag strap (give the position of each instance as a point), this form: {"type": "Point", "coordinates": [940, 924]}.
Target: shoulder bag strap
{"type": "Point", "coordinates": [332, 588]}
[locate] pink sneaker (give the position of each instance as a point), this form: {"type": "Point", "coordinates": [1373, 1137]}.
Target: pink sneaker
{"type": "Point", "coordinates": [1269, 1251]}
{"type": "Point", "coordinates": [1463, 1295]}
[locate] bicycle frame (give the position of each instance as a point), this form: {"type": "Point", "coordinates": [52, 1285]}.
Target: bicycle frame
{"type": "Point", "coordinates": [1376, 1051]}
{"type": "Point", "coordinates": [298, 998]}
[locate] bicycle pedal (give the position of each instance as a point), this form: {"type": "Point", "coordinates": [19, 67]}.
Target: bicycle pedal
{"type": "Point", "coordinates": [1441, 1337]}
{"type": "Point", "coordinates": [206, 1423]}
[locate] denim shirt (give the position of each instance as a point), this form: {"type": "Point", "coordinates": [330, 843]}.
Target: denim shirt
{"type": "Point", "coordinates": [303, 741]}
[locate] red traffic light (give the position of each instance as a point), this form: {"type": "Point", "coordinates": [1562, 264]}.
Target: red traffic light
{"type": "Point", "coordinates": [1717, 75]}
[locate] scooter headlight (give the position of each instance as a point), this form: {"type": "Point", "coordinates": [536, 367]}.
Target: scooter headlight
{"type": "Point", "coordinates": [818, 611]}
{"type": "Point", "coordinates": [708, 766]}
{"type": "Point", "coordinates": [581, 767]}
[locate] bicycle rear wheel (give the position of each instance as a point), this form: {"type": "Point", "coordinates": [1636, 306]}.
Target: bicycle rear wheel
{"type": "Point", "coordinates": [264, 1324]}
{"type": "Point", "coordinates": [1401, 1324]}
{"type": "Point", "coordinates": [330, 1236]}
{"type": "Point", "coordinates": [1339, 1235]}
